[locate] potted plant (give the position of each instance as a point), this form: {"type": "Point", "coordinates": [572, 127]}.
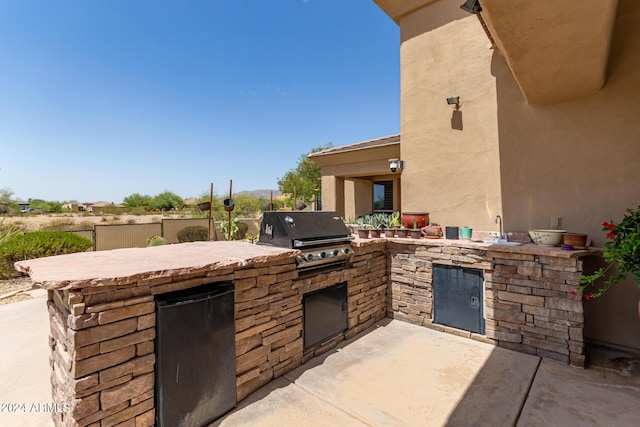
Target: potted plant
{"type": "Point", "coordinates": [386, 221]}
{"type": "Point", "coordinates": [402, 232]}
{"type": "Point", "coordinates": [415, 232]}
{"type": "Point", "coordinates": [394, 220]}
{"type": "Point", "coordinates": [363, 228]}
{"type": "Point", "coordinates": [377, 224]}
{"type": "Point", "coordinates": [420, 218]}
{"type": "Point", "coordinates": [621, 251]}
{"type": "Point", "coordinates": [351, 224]}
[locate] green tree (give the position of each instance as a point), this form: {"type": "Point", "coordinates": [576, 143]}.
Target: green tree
{"type": "Point", "coordinates": [166, 200]}
{"type": "Point", "coordinates": [7, 205]}
{"type": "Point", "coordinates": [247, 206]}
{"type": "Point", "coordinates": [45, 205]}
{"type": "Point", "coordinates": [304, 179]}
{"type": "Point", "coordinates": [137, 200]}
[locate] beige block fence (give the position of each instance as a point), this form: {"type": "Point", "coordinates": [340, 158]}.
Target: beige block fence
{"type": "Point", "coordinates": [115, 236]}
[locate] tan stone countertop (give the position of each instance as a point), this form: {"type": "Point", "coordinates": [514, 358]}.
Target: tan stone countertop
{"type": "Point", "coordinates": [119, 266]}
{"type": "Point", "coordinates": [103, 268]}
{"type": "Point", "coordinates": [525, 248]}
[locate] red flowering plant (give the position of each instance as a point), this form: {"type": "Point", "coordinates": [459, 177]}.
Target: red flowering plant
{"type": "Point", "coordinates": [622, 250]}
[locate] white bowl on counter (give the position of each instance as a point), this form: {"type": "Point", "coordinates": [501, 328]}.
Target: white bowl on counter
{"type": "Point", "coordinates": [547, 237]}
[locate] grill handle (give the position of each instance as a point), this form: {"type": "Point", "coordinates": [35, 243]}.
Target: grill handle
{"type": "Point", "coordinates": [303, 243]}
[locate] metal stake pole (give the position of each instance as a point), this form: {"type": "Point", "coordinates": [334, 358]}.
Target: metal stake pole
{"type": "Point", "coordinates": [210, 209]}
{"type": "Point", "coordinates": [229, 213]}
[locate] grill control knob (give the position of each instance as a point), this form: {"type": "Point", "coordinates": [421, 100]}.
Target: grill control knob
{"type": "Point", "coordinates": [309, 257]}
{"type": "Point", "coordinates": [345, 251]}
{"type": "Point", "coordinates": [333, 252]}
{"type": "Point", "coordinates": [323, 254]}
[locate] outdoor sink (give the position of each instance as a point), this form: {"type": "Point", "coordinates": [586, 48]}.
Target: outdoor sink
{"type": "Point", "coordinates": [502, 242]}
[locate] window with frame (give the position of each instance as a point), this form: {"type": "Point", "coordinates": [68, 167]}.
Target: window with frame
{"type": "Point", "coordinates": [383, 196]}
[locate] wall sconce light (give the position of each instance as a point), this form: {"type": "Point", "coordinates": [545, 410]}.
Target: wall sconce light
{"type": "Point", "coordinates": [471, 6]}
{"type": "Point", "coordinates": [454, 100]}
{"type": "Point", "coordinates": [395, 164]}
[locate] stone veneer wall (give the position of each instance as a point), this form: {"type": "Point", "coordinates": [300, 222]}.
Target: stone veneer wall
{"type": "Point", "coordinates": [102, 337]}
{"type": "Point", "coordinates": [528, 305]}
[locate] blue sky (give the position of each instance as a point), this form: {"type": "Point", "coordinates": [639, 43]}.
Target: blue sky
{"type": "Point", "coordinates": [101, 99]}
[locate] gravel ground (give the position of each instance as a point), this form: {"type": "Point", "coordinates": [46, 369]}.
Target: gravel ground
{"type": "Point", "coordinates": [10, 286]}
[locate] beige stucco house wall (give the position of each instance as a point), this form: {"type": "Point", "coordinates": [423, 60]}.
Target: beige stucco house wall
{"type": "Point", "coordinates": [548, 123]}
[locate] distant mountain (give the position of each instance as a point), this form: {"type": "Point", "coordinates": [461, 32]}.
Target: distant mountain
{"type": "Point", "coordinates": [258, 194]}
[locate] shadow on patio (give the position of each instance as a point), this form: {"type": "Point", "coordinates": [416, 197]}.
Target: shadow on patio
{"type": "Point", "coordinates": [401, 374]}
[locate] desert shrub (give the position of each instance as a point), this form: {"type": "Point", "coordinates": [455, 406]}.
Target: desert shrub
{"type": "Point", "coordinates": [40, 244]}
{"type": "Point", "coordinates": [7, 232]}
{"type": "Point", "coordinates": [83, 225]}
{"type": "Point", "coordinates": [112, 209]}
{"type": "Point", "coordinates": [156, 241]}
{"type": "Point", "coordinates": [194, 233]}
{"type": "Point", "coordinates": [166, 201]}
{"type": "Point", "coordinates": [66, 224]}
{"type": "Point", "coordinates": [137, 211]}
{"type": "Point", "coordinates": [20, 224]}
{"type": "Point", "coordinates": [7, 271]}
{"type": "Point", "coordinates": [58, 224]}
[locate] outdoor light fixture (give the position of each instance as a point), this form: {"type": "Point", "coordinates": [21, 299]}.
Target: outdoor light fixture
{"type": "Point", "coordinates": [454, 100]}
{"type": "Point", "coordinates": [471, 6]}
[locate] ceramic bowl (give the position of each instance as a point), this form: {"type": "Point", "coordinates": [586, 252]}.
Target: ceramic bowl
{"type": "Point", "coordinates": [419, 219]}
{"type": "Point", "coordinates": [547, 237]}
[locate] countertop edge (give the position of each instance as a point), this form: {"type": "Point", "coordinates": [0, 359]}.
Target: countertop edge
{"type": "Point", "coordinates": [96, 269]}
{"type": "Point", "coordinates": [525, 248]}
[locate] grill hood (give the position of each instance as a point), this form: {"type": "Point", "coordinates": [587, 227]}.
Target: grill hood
{"type": "Point", "coordinates": [294, 229]}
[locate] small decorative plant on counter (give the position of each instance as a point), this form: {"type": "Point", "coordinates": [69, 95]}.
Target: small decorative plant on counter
{"type": "Point", "coordinates": [394, 220]}
{"type": "Point", "coordinates": [363, 228]}
{"type": "Point", "coordinates": [621, 251]}
{"type": "Point", "coordinates": [415, 232]}
{"type": "Point", "coordinates": [377, 222]}
{"type": "Point", "coordinates": [352, 224]}
{"type": "Point", "coordinates": [386, 223]}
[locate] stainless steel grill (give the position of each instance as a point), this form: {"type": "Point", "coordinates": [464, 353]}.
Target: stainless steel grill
{"type": "Point", "coordinates": [321, 236]}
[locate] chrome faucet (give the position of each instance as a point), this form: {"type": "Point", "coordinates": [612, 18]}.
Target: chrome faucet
{"type": "Point", "coordinates": [495, 221]}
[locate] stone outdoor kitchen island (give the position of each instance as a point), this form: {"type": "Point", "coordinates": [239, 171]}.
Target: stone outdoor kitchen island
{"type": "Point", "coordinates": [103, 314]}
{"type": "Point", "coordinates": [103, 318]}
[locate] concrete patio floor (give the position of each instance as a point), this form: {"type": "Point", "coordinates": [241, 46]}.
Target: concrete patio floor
{"type": "Point", "coordinates": [395, 374]}
{"type": "Point", "coordinates": [24, 362]}
{"type": "Point", "coordinates": [400, 374]}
